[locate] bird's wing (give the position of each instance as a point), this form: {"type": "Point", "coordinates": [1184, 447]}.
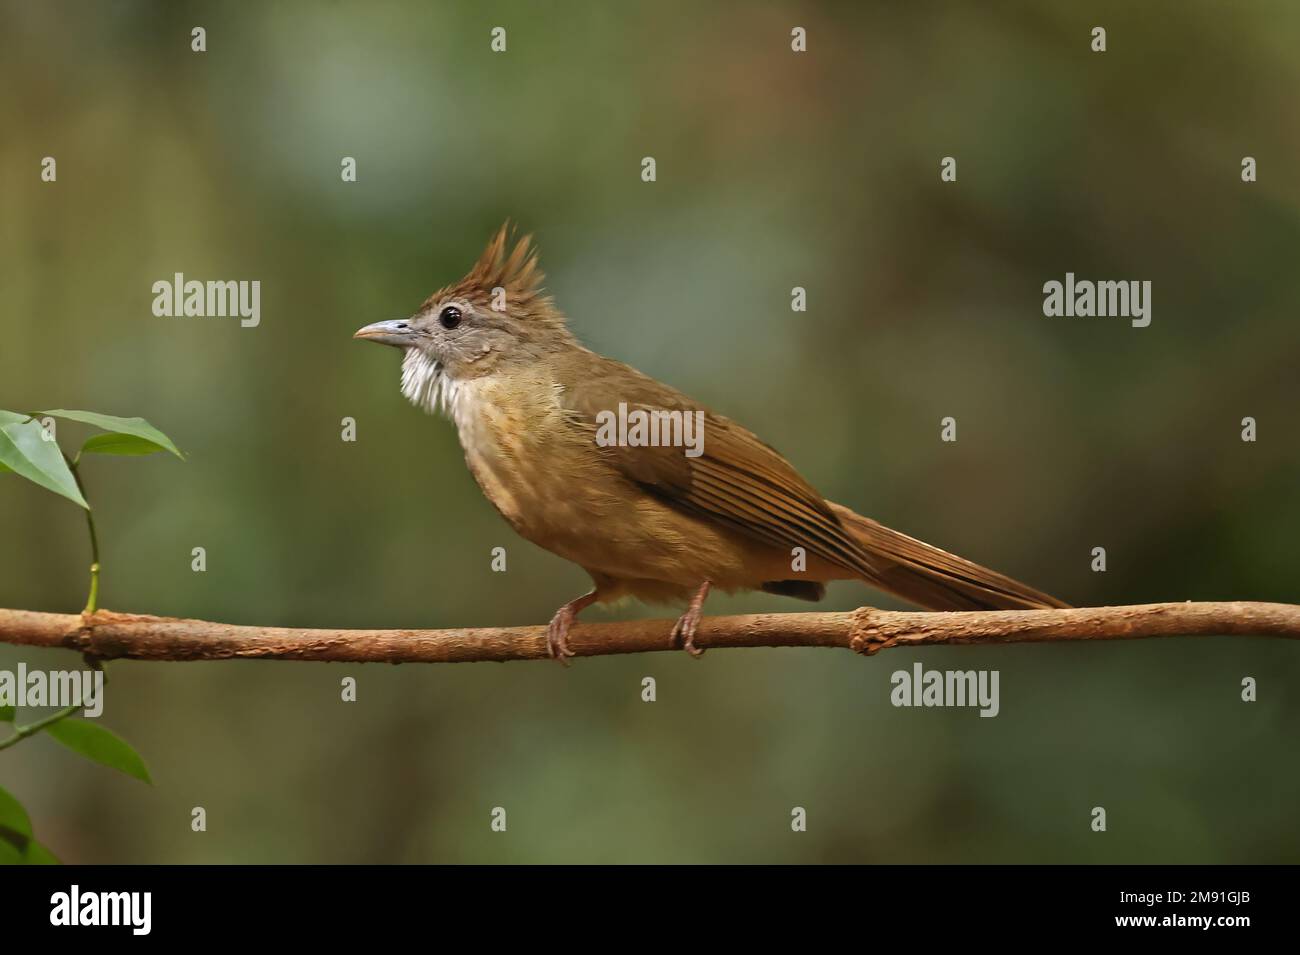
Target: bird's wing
{"type": "Point", "coordinates": [737, 479]}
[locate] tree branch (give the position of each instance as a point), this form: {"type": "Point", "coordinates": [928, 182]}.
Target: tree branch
{"type": "Point", "coordinates": [108, 635]}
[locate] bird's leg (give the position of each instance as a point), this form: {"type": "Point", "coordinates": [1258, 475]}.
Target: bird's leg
{"type": "Point", "coordinates": [686, 625]}
{"type": "Point", "coordinates": [557, 634]}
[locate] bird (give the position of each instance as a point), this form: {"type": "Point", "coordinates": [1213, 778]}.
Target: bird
{"type": "Point", "coordinates": [660, 522]}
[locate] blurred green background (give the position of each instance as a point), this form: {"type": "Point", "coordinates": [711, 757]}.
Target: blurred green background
{"type": "Point", "coordinates": [774, 170]}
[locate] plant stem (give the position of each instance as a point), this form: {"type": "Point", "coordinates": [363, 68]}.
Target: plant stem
{"type": "Point", "coordinates": [92, 601]}
{"type": "Point", "coordinates": [22, 732]}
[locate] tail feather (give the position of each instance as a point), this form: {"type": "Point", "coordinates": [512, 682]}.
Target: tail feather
{"type": "Point", "coordinates": [933, 578]}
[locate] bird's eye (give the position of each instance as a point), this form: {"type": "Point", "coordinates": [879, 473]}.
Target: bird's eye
{"type": "Point", "coordinates": [449, 317]}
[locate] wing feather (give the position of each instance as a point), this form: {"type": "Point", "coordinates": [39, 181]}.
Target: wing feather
{"type": "Point", "coordinates": [737, 480]}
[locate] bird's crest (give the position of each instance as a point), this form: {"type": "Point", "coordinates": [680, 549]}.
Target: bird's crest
{"type": "Point", "coordinates": [517, 272]}
{"type": "Point", "coordinates": [508, 263]}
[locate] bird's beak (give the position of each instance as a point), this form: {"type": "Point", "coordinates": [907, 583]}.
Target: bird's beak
{"type": "Point", "coordinates": [397, 332]}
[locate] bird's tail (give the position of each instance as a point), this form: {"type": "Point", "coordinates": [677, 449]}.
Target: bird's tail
{"type": "Point", "coordinates": [933, 578]}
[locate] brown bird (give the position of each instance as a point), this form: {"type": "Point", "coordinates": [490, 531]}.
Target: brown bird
{"type": "Point", "coordinates": [655, 496]}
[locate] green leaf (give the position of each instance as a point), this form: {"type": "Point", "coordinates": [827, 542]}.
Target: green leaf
{"type": "Point", "coordinates": [13, 816]}
{"type": "Point", "coordinates": [17, 844]}
{"type": "Point", "coordinates": [10, 417]}
{"type": "Point", "coordinates": [11, 854]}
{"type": "Point", "coordinates": [118, 443]}
{"type": "Point", "coordinates": [7, 714]}
{"type": "Point", "coordinates": [37, 854]}
{"type": "Point", "coordinates": [24, 450]}
{"type": "Point", "coordinates": [134, 427]}
{"type": "Point", "coordinates": [98, 744]}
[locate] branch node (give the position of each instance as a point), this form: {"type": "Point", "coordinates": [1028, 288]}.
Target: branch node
{"type": "Point", "coordinates": [866, 635]}
{"type": "Point", "coordinates": [84, 636]}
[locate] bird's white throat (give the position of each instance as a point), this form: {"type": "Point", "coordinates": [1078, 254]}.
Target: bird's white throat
{"type": "Point", "coordinates": [426, 384]}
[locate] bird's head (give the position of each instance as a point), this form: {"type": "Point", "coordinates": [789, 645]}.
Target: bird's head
{"type": "Point", "coordinates": [496, 319]}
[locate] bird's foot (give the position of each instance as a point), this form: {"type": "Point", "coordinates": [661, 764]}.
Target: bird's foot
{"type": "Point", "coordinates": [557, 635]}
{"type": "Point", "coordinates": [557, 632]}
{"type": "Point", "coordinates": [686, 625]}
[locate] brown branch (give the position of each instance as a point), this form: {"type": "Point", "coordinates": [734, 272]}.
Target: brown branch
{"type": "Point", "coordinates": [108, 635]}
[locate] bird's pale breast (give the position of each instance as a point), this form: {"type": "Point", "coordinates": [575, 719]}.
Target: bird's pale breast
{"type": "Point", "coordinates": [547, 477]}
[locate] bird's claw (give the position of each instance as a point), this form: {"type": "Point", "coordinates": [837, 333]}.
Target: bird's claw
{"type": "Point", "coordinates": [557, 635]}
{"type": "Point", "coordinates": [557, 632]}
{"type": "Point", "coordinates": [684, 632]}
